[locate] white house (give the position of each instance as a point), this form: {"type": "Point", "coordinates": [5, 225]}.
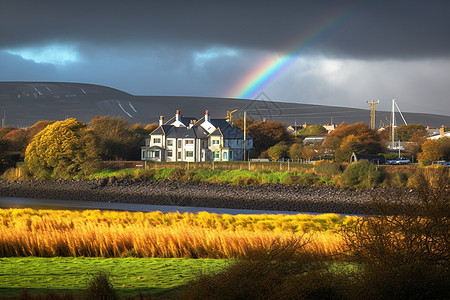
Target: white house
{"type": "Point", "coordinates": [189, 139]}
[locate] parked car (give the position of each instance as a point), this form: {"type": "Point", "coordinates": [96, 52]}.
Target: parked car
{"type": "Point", "coordinates": [398, 161]}
{"type": "Point", "coordinates": [442, 163]}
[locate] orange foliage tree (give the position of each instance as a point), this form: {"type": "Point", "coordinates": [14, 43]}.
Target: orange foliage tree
{"type": "Point", "coordinates": [435, 150]}
{"type": "Point", "coordinates": [348, 138]}
{"type": "Point", "coordinates": [266, 134]}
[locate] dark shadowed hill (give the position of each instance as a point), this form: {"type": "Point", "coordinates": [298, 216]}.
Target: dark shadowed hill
{"type": "Point", "coordinates": [25, 103]}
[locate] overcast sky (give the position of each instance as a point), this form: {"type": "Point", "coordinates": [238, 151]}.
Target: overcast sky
{"type": "Point", "coordinates": [339, 53]}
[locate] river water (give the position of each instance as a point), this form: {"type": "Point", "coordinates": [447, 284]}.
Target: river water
{"type": "Point", "coordinates": [8, 202]}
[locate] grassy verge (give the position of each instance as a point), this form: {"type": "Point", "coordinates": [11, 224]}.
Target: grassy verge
{"type": "Point", "coordinates": [131, 276]}
{"type": "Point", "coordinates": [237, 177]}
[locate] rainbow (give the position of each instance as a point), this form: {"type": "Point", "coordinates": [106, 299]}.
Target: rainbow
{"type": "Point", "coordinates": [252, 83]}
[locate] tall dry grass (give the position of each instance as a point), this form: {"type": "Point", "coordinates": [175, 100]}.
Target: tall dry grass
{"type": "Point", "coordinates": [47, 233]}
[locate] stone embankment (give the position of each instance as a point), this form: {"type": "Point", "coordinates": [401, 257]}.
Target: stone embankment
{"type": "Point", "coordinates": [165, 192]}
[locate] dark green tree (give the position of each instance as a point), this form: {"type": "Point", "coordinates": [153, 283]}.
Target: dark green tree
{"type": "Point", "coordinates": [118, 138]}
{"type": "Point", "coordinates": [405, 132]}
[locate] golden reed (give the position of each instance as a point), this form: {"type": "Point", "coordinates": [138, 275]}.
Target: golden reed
{"type": "Point", "coordinates": [48, 233]}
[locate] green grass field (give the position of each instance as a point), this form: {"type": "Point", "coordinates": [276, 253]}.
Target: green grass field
{"type": "Point", "coordinates": [131, 276]}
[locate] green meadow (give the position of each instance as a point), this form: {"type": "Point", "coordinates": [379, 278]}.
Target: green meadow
{"type": "Point", "coordinates": [130, 276]}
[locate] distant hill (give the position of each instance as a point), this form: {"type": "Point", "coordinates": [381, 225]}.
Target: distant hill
{"type": "Point", "coordinates": [25, 103]}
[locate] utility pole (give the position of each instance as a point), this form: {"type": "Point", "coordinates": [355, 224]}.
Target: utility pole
{"type": "Point", "coordinates": [245, 131]}
{"type": "Point", "coordinates": [372, 112]}
{"type": "Point", "coordinates": [4, 119]}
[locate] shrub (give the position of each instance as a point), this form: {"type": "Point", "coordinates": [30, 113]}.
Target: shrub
{"type": "Point", "coordinates": [281, 271]}
{"type": "Point", "coordinates": [327, 168]}
{"type": "Point", "coordinates": [405, 247]}
{"type": "Point", "coordinates": [301, 179]}
{"type": "Point", "coordinates": [400, 178]}
{"type": "Point", "coordinates": [100, 287]}
{"type": "Point", "coordinates": [361, 174]}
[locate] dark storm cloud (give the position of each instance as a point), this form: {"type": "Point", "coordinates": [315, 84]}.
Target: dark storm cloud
{"type": "Point", "coordinates": [379, 29]}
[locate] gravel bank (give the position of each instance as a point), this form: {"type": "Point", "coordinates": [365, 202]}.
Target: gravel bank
{"type": "Point", "coordinates": [200, 194]}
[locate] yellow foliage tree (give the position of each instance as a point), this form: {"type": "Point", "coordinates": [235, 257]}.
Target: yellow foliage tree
{"type": "Point", "coordinates": [63, 149]}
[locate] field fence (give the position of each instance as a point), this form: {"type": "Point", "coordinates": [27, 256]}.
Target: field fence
{"type": "Point", "coordinates": [284, 165]}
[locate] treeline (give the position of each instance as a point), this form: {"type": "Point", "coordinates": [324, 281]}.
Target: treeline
{"type": "Point", "coordinates": [272, 140]}
{"type": "Point", "coordinates": [71, 146]}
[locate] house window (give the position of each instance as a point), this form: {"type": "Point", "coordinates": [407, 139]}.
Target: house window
{"type": "Point", "coordinates": [231, 155]}
{"type": "Point", "coordinates": [154, 154]}
{"type": "Point", "coordinates": [169, 143]}
{"type": "Point", "coordinates": [179, 143]}
{"type": "Point", "coordinates": [189, 154]}
{"type": "Point", "coordinates": [225, 156]}
{"type": "Point", "coordinates": [189, 142]}
{"type": "Point", "coordinates": [179, 155]}
{"type": "Point", "coordinates": [156, 141]}
{"type": "Point", "coordinates": [215, 142]}
{"type": "Point", "coordinates": [216, 154]}
{"type": "Point", "coordinates": [169, 153]}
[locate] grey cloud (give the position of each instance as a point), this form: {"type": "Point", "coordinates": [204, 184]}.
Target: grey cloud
{"type": "Point", "coordinates": [367, 29]}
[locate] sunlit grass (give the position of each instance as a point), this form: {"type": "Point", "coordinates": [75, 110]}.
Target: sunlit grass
{"type": "Point", "coordinates": [49, 233]}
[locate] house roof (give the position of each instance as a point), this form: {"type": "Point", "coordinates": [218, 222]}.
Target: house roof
{"type": "Point", "coordinates": [216, 132]}
{"type": "Point", "coordinates": [233, 133]}
{"type": "Point", "coordinates": [184, 132]}
{"type": "Point", "coordinates": [220, 123]}
{"type": "Point", "coordinates": [161, 130]}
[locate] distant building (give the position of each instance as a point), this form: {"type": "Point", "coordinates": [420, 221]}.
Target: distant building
{"type": "Point", "coordinates": [192, 140]}
{"type": "Point", "coordinates": [441, 134]}
{"type": "Point", "coordinates": [373, 158]}
{"type": "Point", "coordinates": [329, 127]}
{"type": "Point", "coordinates": [311, 140]}
{"type": "Point", "coordinates": [294, 128]}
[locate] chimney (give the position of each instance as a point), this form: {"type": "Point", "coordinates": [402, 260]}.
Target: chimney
{"type": "Point", "coordinates": [191, 124]}
{"type": "Point", "coordinates": [161, 120]}
{"type": "Point", "coordinates": [207, 117]}
{"type": "Point", "coordinates": [178, 116]}
{"type": "Point", "coordinates": [442, 131]}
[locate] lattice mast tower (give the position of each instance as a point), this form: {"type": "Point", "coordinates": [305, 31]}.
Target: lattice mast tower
{"type": "Point", "coordinates": [372, 112]}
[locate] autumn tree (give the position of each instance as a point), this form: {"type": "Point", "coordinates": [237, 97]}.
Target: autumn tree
{"type": "Point", "coordinates": [435, 150]}
{"type": "Point", "coordinates": [118, 138]}
{"type": "Point", "coordinates": [151, 127]}
{"type": "Point", "coordinates": [266, 134]}
{"type": "Point", "coordinates": [278, 151]}
{"type": "Point", "coordinates": [239, 123]}
{"type": "Point", "coordinates": [348, 138]}
{"type": "Point", "coordinates": [63, 149]}
{"type": "Point", "coordinates": [296, 150]}
{"type": "Point", "coordinates": [416, 141]}
{"type": "Point", "coordinates": [3, 149]}
{"type": "Point", "coordinates": [310, 152]}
